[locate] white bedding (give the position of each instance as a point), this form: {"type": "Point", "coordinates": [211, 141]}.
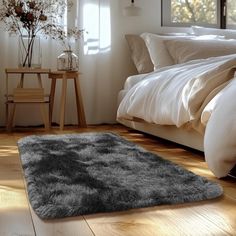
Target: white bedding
{"type": "Point", "coordinates": [174, 96]}
{"type": "Point", "coordinates": [220, 135]}
{"type": "Point", "coordinates": [180, 94]}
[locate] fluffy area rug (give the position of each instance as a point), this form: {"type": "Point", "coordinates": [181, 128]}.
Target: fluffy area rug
{"type": "Point", "coordinates": [71, 175]}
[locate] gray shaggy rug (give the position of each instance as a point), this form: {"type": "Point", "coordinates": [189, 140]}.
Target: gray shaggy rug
{"type": "Point", "coordinates": [71, 175]}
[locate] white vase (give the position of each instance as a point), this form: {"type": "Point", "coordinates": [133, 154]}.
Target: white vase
{"type": "Point", "coordinates": [29, 54]}
{"type": "Point", "coordinates": [68, 61]}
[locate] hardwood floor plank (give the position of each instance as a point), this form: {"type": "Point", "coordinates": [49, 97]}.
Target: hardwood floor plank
{"type": "Point", "coordinates": [15, 218]}
{"type": "Point", "coordinates": [222, 213]}
{"type": "Point", "coordinates": [15, 221]}
{"type": "Point", "coordinates": [161, 220]}
{"type": "Point", "coordinates": [74, 226]}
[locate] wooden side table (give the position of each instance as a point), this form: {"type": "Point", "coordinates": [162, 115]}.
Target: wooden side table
{"type": "Point", "coordinates": [23, 95]}
{"type": "Point", "coordinates": [65, 75]}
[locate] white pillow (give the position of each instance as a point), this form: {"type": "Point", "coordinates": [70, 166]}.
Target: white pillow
{"type": "Point", "coordinates": [220, 134]}
{"type": "Point", "coordinates": [159, 54]}
{"type": "Point", "coordinates": [229, 34]}
{"type": "Point", "coordinates": [139, 53]}
{"type": "Point", "coordinates": [183, 50]}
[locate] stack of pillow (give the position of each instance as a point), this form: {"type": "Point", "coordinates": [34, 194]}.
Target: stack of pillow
{"type": "Point", "coordinates": [152, 51]}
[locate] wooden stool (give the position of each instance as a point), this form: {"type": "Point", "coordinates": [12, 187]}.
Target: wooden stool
{"type": "Point", "coordinates": [23, 95]}
{"type": "Point", "coordinates": [65, 75]}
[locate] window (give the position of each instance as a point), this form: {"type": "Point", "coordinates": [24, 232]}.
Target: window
{"type": "Point", "coordinates": [211, 13]}
{"type": "Point", "coordinates": [231, 14]}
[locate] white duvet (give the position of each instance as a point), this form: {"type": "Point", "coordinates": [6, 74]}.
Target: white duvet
{"type": "Point", "coordinates": [174, 96]}
{"type": "Point", "coordinates": [179, 94]}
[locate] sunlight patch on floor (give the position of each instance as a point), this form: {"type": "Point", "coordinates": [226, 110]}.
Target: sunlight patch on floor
{"type": "Point", "coordinates": [8, 151]}
{"type": "Point", "coordinates": [12, 198]}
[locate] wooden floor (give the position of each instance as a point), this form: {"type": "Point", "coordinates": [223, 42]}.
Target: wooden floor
{"type": "Point", "coordinates": [215, 217]}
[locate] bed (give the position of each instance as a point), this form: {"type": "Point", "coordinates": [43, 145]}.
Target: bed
{"type": "Point", "coordinates": [188, 96]}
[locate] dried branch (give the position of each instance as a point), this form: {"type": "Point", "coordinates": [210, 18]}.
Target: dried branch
{"type": "Point", "coordinates": [32, 17]}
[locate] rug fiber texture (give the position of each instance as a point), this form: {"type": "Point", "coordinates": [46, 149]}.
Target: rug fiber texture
{"type": "Point", "coordinates": [76, 174]}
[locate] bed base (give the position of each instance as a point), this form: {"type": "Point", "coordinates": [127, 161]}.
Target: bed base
{"type": "Point", "coordinates": [189, 138]}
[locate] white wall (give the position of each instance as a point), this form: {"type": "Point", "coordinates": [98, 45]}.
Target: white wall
{"type": "Point", "coordinates": [100, 94]}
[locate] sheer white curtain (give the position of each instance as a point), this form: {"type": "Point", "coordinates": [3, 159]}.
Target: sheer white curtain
{"type": "Point", "coordinates": [101, 56]}
{"type": "Point", "coordinates": [97, 60]}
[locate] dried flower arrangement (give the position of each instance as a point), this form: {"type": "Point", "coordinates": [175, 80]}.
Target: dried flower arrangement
{"type": "Point", "coordinates": [68, 60]}
{"type": "Point", "coordinates": [31, 17]}
{"type": "Point", "coordinates": [71, 35]}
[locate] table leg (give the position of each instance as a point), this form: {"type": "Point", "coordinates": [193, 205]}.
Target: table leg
{"type": "Point", "coordinates": [11, 117]}
{"type": "Point", "coordinates": [51, 99]}
{"type": "Point", "coordinates": [39, 80]}
{"type": "Point", "coordinates": [21, 84]}
{"type": "Point", "coordinates": [45, 116]}
{"type": "Point", "coordinates": [13, 110]}
{"type": "Point", "coordinates": [63, 101]}
{"type": "Point", "coordinates": [79, 104]}
{"type": "Point", "coordinates": [7, 105]}
{"type": "Point", "coordinates": [7, 114]}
